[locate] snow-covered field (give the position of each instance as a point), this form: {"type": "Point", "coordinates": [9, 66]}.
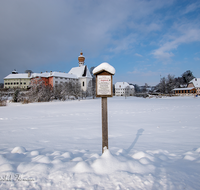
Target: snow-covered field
{"type": "Point", "coordinates": [153, 144]}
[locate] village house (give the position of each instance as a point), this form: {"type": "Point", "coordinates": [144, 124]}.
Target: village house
{"type": "Point", "coordinates": [193, 88]}
{"type": "Point", "coordinates": [196, 84]}
{"type": "Point", "coordinates": [124, 89]}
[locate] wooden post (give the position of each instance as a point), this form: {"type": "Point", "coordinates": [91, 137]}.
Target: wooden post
{"type": "Point", "coordinates": [104, 123]}
{"type": "Point", "coordinates": [104, 89]}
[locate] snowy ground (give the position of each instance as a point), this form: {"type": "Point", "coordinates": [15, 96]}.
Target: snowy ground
{"type": "Point", "coordinates": [153, 144]}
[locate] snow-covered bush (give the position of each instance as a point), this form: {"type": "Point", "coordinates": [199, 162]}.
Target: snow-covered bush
{"type": "Point", "coordinates": [76, 89]}
{"type": "Point", "coordinates": [16, 95]}
{"type": "Point", "coordinates": [39, 92]}
{"type": "Point", "coordinates": [2, 100]}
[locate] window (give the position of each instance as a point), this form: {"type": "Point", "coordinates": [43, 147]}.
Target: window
{"type": "Point", "coordinates": [24, 83]}
{"type": "Point", "coordinates": [61, 78]}
{"type": "Point", "coordinates": [5, 83]}
{"type": "Point", "coordinates": [11, 83]}
{"type": "Point", "coordinates": [56, 82]}
{"type": "Point", "coordinates": [83, 83]}
{"type": "Point", "coordinates": [56, 77]}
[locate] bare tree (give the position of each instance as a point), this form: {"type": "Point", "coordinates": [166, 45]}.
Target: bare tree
{"type": "Point", "coordinates": [92, 87]}
{"type": "Point", "coordinates": [2, 100]}
{"type": "Point", "coordinates": [65, 92]}
{"type": "Point", "coordinates": [126, 93]}
{"type": "Point", "coordinates": [170, 84]}
{"type": "Point", "coordinates": [28, 71]}
{"type": "Point", "coordinates": [76, 89]}
{"type": "Point", "coordinates": [57, 91]}
{"type": "Point", "coordinates": [93, 83]}
{"type": "Point", "coordinates": [162, 85]}
{"type": "Point", "coordinates": [39, 92]}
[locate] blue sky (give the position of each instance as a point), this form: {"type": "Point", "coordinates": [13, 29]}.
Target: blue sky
{"type": "Point", "coordinates": [142, 39]}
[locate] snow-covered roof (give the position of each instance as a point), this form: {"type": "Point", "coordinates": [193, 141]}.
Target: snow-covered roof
{"type": "Point", "coordinates": [40, 75]}
{"type": "Point", "coordinates": [75, 72]}
{"type": "Point", "coordinates": [196, 82]}
{"type": "Point", "coordinates": [121, 85]}
{"type": "Point", "coordinates": [66, 75]}
{"type": "Point", "coordinates": [184, 88]}
{"type": "Point", "coordinates": [55, 74]}
{"type": "Point", "coordinates": [131, 86]}
{"type": "Point", "coordinates": [82, 71]}
{"type": "Point", "coordinates": [104, 67]}
{"type": "Point", "coordinates": [17, 76]}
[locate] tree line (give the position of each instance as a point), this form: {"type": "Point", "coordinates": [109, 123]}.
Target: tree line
{"type": "Point", "coordinates": [39, 92]}
{"type": "Point", "coordinates": [167, 84]}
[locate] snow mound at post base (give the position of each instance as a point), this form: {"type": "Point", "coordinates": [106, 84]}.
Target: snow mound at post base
{"type": "Point", "coordinates": [142, 170]}
{"type": "Point", "coordinates": [19, 149]}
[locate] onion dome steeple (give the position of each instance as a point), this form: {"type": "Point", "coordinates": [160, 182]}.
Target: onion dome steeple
{"type": "Point", "coordinates": [81, 59]}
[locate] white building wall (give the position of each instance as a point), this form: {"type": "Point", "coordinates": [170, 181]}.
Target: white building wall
{"type": "Point", "coordinates": [17, 82]}
{"type": "Point", "coordinates": [61, 80]}
{"type": "Point", "coordinates": [84, 81]}
{"type": "Point", "coordinates": [123, 88]}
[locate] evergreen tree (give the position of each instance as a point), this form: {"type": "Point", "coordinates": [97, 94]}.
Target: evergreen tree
{"type": "Point", "coordinates": [16, 95]}
{"type": "Point", "coordinates": [187, 76]}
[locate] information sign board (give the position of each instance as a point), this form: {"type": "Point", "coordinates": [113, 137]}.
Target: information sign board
{"type": "Point", "coordinates": [104, 85]}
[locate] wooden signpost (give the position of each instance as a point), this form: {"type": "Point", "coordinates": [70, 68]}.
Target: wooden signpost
{"type": "Point", "coordinates": [104, 89]}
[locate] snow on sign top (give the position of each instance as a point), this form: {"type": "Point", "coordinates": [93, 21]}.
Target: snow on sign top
{"type": "Point", "coordinates": [104, 67]}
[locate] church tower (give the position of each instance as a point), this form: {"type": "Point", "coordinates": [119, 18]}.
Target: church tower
{"type": "Point", "coordinates": [81, 59]}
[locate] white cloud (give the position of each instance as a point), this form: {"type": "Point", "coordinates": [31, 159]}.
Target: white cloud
{"type": "Point", "coordinates": [145, 73]}
{"type": "Point", "coordinates": [123, 44]}
{"type": "Point", "coordinates": [192, 7]}
{"type": "Point", "coordinates": [165, 51]}
{"type": "Point", "coordinates": [146, 27]}
{"type": "Point", "coordinates": [137, 54]}
{"type": "Point", "coordinates": [197, 59]}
